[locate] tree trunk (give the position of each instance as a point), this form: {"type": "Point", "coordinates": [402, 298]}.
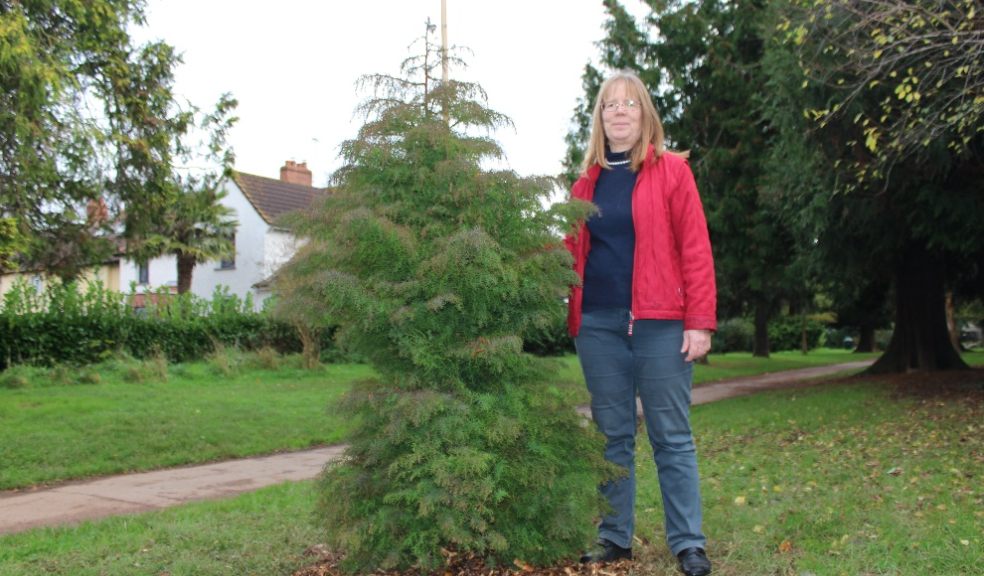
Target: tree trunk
{"type": "Point", "coordinates": [804, 341]}
{"type": "Point", "coordinates": [866, 339]}
{"type": "Point", "coordinates": [951, 322]}
{"type": "Point", "coordinates": [186, 265]}
{"type": "Point", "coordinates": [921, 340]}
{"type": "Point", "coordinates": [761, 347]}
{"type": "Point", "coordinates": [869, 313]}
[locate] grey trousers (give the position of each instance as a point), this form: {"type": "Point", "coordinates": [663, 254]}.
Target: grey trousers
{"type": "Point", "coordinates": [618, 366]}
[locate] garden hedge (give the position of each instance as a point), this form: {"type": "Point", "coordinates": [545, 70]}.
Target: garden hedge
{"type": "Point", "coordinates": [81, 324]}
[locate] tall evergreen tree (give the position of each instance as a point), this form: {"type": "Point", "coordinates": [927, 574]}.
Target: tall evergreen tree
{"type": "Point", "coordinates": [832, 231]}
{"type": "Point", "coordinates": [433, 267]}
{"type": "Point", "coordinates": [887, 84]}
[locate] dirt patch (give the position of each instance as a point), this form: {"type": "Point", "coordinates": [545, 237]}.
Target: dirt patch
{"type": "Point", "coordinates": [952, 385]}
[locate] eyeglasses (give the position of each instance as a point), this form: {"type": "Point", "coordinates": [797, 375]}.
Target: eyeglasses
{"type": "Point", "coordinates": [629, 105]}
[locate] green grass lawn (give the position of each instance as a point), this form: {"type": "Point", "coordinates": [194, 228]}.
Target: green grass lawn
{"type": "Point", "coordinates": [846, 479]}
{"type": "Point", "coordinates": [262, 533]}
{"type": "Point", "coordinates": [56, 426]}
{"type": "Point", "coordinates": [738, 364]}
{"type": "Point", "coordinates": [974, 357]}
{"type": "Point", "coordinates": [723, 366]}
{"type": "Point", "coordinates": [850, 478]}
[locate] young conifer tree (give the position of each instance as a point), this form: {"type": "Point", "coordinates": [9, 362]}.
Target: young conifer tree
{"type": "Point", "coordinates": [433, 267]}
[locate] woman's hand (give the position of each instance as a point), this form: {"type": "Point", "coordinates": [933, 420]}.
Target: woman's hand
{"type": "Point", "coordinates": [696, 343]}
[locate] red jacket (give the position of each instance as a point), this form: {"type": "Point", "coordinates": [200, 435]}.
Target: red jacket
{"type": "Point", "coordinates": [673, 269]}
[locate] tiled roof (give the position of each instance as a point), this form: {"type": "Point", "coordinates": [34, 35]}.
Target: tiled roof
{"type": "Point", "coordinates": [273, 198]}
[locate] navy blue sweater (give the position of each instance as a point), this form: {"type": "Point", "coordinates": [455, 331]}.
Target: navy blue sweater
{"type": "Point", "coordinates": [608, 272]}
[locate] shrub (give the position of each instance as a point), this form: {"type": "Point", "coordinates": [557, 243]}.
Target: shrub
{"type": "Point", "coordinates": [435, 270]}
{"type": "Point", "coordinates": [225, 360]}
{"type": "Point", "coordinates": [82, 324]}
{"type": "Point", "coordinates": [786, 332]}
{"type": "Point", "coordinates": [550, 338]}
{"type": "Point", "coordinates": [734, 335]}
{"type": "Point", "coordinates": [16, 377]}
{"type": "Point", "coordinates": [89, 377]}
{"type": "Point", "coordinates": [61, 375]}
{"type": "Point", "coordinates": [265, 358]}
{"type": "Point", "coordinates": [510, 474]}
{"type": "Point", "coordinates": [156, 366]}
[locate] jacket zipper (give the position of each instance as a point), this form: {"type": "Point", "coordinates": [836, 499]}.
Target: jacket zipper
{"type": "Point", "coordinates": [635, 187]}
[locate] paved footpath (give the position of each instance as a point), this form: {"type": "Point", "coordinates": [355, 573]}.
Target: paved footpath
{"type": "Point", "coordinates": [132, 493]}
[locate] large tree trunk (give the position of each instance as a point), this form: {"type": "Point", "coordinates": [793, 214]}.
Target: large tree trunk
{"type": "Point", "coordinates": [921, 340]}
{"type": "Point", "coordinates": [186, 265]}
{"type": "Point", "coordinates": [761, 346]}
{"type": "Point", "coordinates": [866, 339]}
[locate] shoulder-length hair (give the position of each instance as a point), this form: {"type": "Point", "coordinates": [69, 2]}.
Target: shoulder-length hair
{"type": "Point", "coordinates": [651, 126]}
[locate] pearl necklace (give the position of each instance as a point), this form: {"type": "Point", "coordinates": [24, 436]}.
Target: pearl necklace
{"type": "Point", "coordinates": [619, 162]}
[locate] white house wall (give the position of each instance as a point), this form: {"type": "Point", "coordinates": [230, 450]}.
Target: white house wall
{"type": "Point", "coordinates": [250, 253]}
{"type": "Point", "coordinates": [163, 272]}
{"type": "Point", "coordinates": [280, 246]}
{"type": "Point", "coordinates": [260, 250]}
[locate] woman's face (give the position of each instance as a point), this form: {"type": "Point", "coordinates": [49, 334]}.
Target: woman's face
{"type": "Point", "coordinates": [623, 122]}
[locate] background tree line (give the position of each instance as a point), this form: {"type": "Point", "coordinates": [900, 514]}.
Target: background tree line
{"type": "Point", "coordinates": [838, 147]}
{"type": "Point", "coordinates": [837, 143]}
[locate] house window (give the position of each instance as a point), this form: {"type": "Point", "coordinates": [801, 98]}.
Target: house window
{"type": "Point", "coordinates": [230, 262]}
{"type": "Point", "coordinates": [143, 273]}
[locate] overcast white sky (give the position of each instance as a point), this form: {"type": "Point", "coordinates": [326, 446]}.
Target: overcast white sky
{"type": "Point", "coordinates": [293, 65]}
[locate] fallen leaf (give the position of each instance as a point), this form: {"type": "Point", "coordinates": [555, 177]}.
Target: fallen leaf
{"type": "Point", "coordinates": [786, 546]}
{"type": "Point", "coordinates": [522, 565]}
{"type": "Point", "coordinates": [740, 501]}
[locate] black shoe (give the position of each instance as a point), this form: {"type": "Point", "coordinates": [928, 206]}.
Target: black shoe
{"type": "Point", "coordinates": [606, 552]}
{"type": "Point", "coordinates": [694, 562]}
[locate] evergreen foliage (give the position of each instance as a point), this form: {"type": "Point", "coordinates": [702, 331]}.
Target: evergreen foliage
{"type": "Point", "coordinates": [881, 97]}
{"type": "Point", "coordinates": [434, 268]}
{"type": "Point", "coordinates": [788, 332]}
{"type": "Point", "coordinates": [734, 335]}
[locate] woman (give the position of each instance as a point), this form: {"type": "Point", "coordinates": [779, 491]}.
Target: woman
{"type": "Point", "coordinates": [644, 311]}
